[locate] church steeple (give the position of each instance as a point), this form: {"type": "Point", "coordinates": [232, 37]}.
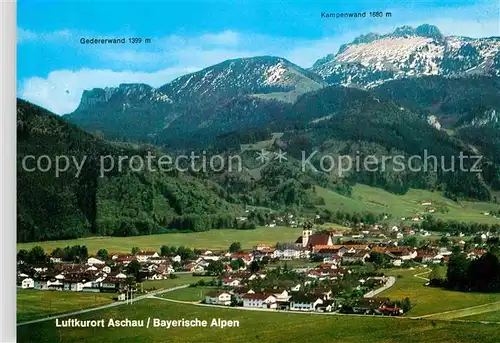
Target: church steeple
{"type": "Point", "coordinates": [306, 232]}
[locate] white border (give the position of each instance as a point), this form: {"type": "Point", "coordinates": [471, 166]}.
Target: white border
{"type": "Point", "coordinates": [8, 170]}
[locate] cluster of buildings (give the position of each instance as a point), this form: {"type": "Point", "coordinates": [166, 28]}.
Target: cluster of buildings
{"type": "Point", "coordinates": [310, 291]}
{"type": "Point", "coordinates": [95, 275]}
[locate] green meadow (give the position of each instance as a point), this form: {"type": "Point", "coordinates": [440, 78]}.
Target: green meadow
{"type": "Point", "coordinates": [365, 198]}
{"type": "Point", "coordinates": [191, 294]}
{"type": "Point", "coordinates": [213, 239]}
{"type": "Point", "coordinates": [35, 304]}
{"type": "Point", "coordinates": [257, 326]}
{"type": "Point", "coordinates": [433, 301]}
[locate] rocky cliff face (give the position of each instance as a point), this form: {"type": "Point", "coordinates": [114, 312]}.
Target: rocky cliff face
{"type": "Point", "coordinates": [407, 52]}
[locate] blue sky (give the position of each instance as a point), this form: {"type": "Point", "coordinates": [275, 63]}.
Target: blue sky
{"type": "Point", "coordinates": [53, 68]}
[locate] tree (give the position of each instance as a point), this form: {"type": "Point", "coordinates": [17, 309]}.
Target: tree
{"type": "Point", "coordinates": [185, 253]}
{"type": "Point", "coordinates": [135, 250]}
{"type": "Point", "coordinates": [37, 255]}
{"type": "Point", "coordinates": [103, 254]}
{"type": "Point", "coordinates": [406, 304]}
{"type": "Point", "coordinates": [235, 247]}
{"type": "Point", "coordinates": [477, 240]}
{"type": "Point", "coordinates": [456, 275]}
{"type": "Point", "coordinates": [215, 268]}
{"type": "Point", "coordinates": [444, 241]}
{"type": "Point", "coordinates": [379, 259]}
{"type": "Point", "coordinates": [166, 251]}
{"type": "Point", "coordinates": [22, 255]}
{"type": "Point", "coordinates": [237, 264]}
{"type": "Point", "coordinates": [254, 267]}
{"type": "Point", "coordinates": [410, 241]}
{"type": "Point", "coordinates": [133, 268]}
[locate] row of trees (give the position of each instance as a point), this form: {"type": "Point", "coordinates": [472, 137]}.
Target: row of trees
{"type": "Point", "coordinates": [432, 224]}
{"type": "Point", "coordinates": [480, 275]}
{"type": "Point", "coordinates": [37, 255]}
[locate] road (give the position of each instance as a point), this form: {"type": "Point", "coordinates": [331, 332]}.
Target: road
{"type": "Point", "coordinates": [103, 307]}
{"type": "Point", "coordinates": [391, 280]}
{"type": "Point", "coordinates": [421, 277]}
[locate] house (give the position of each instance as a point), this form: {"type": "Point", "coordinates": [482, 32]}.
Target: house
{"type": "Point", "coordinates": [125, 260]}
{"type": "Point", "coordinates": [73, 284]}
{"type": "Point", "coordinates": [247, 258]}
{"type": "Point", "coordinates": [425, 256]}
{"type": "Point", "coordinates": [355, 257]}
{"type": "Point", "coordinates": [369, 305]}
{"type": "Point", "coordinates": [92, 260]}
{"type": "Point", "coordinates": [177, 258]}
{"type": "Point", "coordinates": [259, 300]}
{"type": "Point", "coordinates": [106, 269]}
{"type": "Point", "coordinates": [196, 268]}
{"type": "Point", "coordinates": [228, 282]}
{"type": "Point", "coordinates": [112, 284]}
{"type": "Point", "coordinates": [241, 291]}
{"type": "Point", "coordinates": [326, 306]}
{"type": "Point", "coordinates": [41, 282]}
{"type": "Point", "coordinates": [27, 283]}
{"type": "Point", "coordinates": [328, 251]}
{"type": "Point", "coordinates": [281, 295]}
{"type": "Point", "coordinates": [218, 298]}
{"type": "Point", "coordinates": [304, 302]}
{"type": "Point", "coordinates": [143, 256]}
{"type": "Point", "coordinates": [325, 294]}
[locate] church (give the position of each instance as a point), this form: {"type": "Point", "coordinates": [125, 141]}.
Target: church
{"type": "Point", "coordinates": [309, 239]}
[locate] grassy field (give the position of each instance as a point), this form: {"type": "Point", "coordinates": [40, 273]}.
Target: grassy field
{"type": "Point", "coordinates": [193, 294]}
{"type": "Point", "coordinates": [493, 316]}
{"type": "Point", "coordinates": [213, 239]}
{"type": "Point", "coordinates": [258, 326]}
{"type": "Point", "coordinates": [33, 304]}
{"type": "Point", "coordinates": [467, 312]}
{"type": "Point", "coordinates": [430, 300]}
{"type": "Point", "coordinates": [365, 198]}
{"type": "Point", "coordinates": [182, 279]}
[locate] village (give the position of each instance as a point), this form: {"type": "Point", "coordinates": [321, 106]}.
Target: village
{"type": "Point", "coordinates": [323, 270]}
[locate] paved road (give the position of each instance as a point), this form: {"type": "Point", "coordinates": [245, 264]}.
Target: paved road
{"type": "Point", "coordinates": [103, 307]}
{"type": "Point", "coordinates": [391, 280]}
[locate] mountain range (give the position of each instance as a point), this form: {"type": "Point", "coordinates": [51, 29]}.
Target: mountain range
{"type": "Point", "coordinates": [242, 93]}
{"type": "Point", "coordinates": [383, 95]}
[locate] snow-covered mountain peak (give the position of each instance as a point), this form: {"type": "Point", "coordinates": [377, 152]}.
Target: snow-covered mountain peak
{"type": "Point", "coordinates": [373, 58]}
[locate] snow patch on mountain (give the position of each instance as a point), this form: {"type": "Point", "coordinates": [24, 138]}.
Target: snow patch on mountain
{"type": "Point", "coordinates": [372, 59]}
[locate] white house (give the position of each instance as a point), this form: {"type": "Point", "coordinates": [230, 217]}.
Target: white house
{"type": "Point", "coordinates": [218, 298]}
{"type": "Point", "coordinates": [302, 302]}
{"type": "Point", "coordinates": [230, 282]}
{"type": "Point", "coordinates": [106, 269]}
{"type": "Point", "coordinates": [92, 260]}
{"type": "Point", "coordinates": [282, 296]}
{"type": "Point", "coordinates": [177, 258]}
{"type": "Point", "coordinates": [27, 283]}
{"type": "Point", "coordinates": [259, 300]}
{"type": "Point", "coordinates": [143, 256]}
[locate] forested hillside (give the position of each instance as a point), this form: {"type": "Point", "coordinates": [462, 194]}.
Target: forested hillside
{"type": "Point", "coordinates": [120, 203]}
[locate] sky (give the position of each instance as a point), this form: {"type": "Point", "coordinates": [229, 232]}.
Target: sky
{"type": "Point", "coordinates": [54, 68]}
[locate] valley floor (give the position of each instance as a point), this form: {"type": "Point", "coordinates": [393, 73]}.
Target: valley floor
{"type": "Point", "coordinates": [426, 322]}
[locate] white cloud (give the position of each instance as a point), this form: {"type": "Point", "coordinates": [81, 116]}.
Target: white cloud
{"type": "Point", "coordinates": [24, 35]}
{"type": "Point", "coordinates": [61, 90]}
{"type": "Point", "coordinates": [227, 37]}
